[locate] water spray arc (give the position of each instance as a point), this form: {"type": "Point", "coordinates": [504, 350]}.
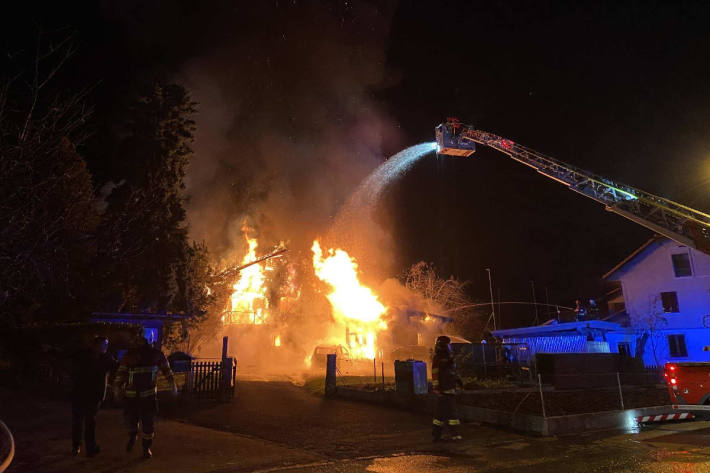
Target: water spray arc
{"type": "Point", "coordinates": [357, 212]}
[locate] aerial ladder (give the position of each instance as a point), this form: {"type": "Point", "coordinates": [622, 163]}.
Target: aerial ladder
{"type": "Point", "coordinates": [231, 272]}
{"type": "Point", "coordinates": [676, 221]}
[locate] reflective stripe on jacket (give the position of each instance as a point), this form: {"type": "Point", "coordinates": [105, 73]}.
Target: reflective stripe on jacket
{"type": "Point", "coordinates": [139, 371]}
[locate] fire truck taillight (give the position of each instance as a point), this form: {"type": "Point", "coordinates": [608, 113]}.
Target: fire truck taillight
{"type": "Point", "coordinates": [669, 373]}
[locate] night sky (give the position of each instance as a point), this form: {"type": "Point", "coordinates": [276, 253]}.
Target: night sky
{"type": "Point", "coordinates": [619, 88]}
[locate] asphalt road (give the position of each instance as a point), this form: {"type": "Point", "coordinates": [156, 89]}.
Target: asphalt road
{"type": "Point", "coordinates": [287, 414]}
{"type": "Point", "coordinates": [351, 437]}
{"type": "Point", "coordinates": [279, 427]}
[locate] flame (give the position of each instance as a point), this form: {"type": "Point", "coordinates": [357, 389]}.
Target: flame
{"type": "Point", "coordinates": [355, 308]}
{"type": "Point", "coordinates": [277, 341]}
{"type": "Point", "coordinates": [248, 303]}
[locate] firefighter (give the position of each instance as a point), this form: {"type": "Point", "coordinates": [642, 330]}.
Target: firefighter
{"type": "Point", "coordinates": [137, 378]}
{"type": "Point", "coordinates": [90, 376]}
{"type": "Point", "coordinates": [444, 381]}
{"type": "Point", "coordinates": [580, 311]}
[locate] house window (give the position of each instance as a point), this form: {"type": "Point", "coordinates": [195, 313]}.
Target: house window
{"type": "Point", "coordinates": [676, 346]}
{"type": "Point", "coordinates": [150, 334]}
{"type": "Point", "coordinates": [624, 349]}
{"type": "Point", "coordinates": [681, 265]}
{"type": "Point", "coordinates": [670, 301]}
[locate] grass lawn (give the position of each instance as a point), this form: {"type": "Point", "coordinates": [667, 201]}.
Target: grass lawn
{"type": "Point", "coordinates": [316, 384]}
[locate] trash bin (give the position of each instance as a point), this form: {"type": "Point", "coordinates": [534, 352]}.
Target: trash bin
{"type": "Point", "coordinates": [410, 377]}
{"type": "Point", "coordinates": [180, 362]}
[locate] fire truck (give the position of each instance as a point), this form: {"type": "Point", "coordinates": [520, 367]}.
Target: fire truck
{"type": "Point", "coordinates": [688, 383]}
{"type": "Point", "coordinates": [676, 221]}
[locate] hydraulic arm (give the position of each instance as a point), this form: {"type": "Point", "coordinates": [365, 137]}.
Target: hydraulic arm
{"type": "Point", "coordinates": [676, 221]}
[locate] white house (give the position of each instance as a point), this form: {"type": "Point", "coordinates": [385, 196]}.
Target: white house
{"type": "Point", "coordinates": [665, 289]}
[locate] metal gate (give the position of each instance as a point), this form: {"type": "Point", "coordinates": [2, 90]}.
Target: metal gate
{"type": "Point", "coordinates": [212, 379]}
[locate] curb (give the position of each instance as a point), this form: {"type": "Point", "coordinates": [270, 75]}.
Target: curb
{"type": "Point", "coordinates": [526, 423]}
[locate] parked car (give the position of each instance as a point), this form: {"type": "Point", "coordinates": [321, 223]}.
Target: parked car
{"type": "Point", "coordinates": [319, 356]}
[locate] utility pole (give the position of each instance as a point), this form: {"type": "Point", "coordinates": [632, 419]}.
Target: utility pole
{"type": "Point", "coordinates": [493, 307]}
{"type": "Point", "coordinates": [500, 311]}
{"type": "Point", "coordinates": [537, 319]}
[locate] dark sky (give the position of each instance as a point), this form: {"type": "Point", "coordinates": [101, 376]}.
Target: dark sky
{"type": "Point", "coordinates": [295, 94]}
{"type": "Point", "coordinates": [618, 88]}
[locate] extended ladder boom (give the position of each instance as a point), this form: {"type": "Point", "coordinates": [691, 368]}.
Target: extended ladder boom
{"type": "Point", "coordinates": [231, 272]}
{"type": "Point", "coordinates": [676, 221]}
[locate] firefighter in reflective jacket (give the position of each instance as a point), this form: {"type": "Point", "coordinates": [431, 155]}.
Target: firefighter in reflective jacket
{"type": "Point", "coordinates": [444, 381]}
{"type": "Point", "coordinates": [137, 375]}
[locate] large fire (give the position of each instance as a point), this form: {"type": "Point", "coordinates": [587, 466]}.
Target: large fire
{"type": "Point", "coordinates": [248, 303]}
{"type": "Point", "coordinates": [356, 310]}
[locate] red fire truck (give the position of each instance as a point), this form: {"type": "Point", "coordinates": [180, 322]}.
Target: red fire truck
{"type": "Point", "coordinates": [688, 383]}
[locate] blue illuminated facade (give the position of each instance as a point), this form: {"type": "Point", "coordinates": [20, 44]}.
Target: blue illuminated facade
{"type": "Point", "coordinates": [664, 301]}
{"type": "Point", "coordinates": [666, 292]}
{"type": "Point", "coordinates": [591, 336]}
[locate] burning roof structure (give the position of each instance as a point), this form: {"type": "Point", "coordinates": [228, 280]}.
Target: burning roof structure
{"type": "Point", "coordinates": [265, 307]}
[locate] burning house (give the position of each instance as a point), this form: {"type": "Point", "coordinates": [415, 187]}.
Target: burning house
{"type": "Point", "coordinates": [263, 311]}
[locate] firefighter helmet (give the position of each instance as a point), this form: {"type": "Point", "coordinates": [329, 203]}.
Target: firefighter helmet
{"type": "Point", "coordinates": [442, 344]}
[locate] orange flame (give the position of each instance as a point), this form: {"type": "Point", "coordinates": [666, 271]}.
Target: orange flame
{"type": "Point", "coordinates": [355, 308]}
{"type": "Point", "coordinates": [248, 303]}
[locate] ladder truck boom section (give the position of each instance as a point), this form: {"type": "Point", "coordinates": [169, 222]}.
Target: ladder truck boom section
{"type": "Point", "coordinates": [676, 221]}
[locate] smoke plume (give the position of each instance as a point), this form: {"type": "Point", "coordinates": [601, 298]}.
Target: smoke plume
{"type": "Point", "coordinates": [287, 122]}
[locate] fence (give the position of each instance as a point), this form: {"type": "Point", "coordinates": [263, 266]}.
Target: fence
{"type": "Point", "coordinates": [551, 393]}
{"type": "Point", "coordinates": [599, 391]}
{"type": "Point", "coordinates": [602, 379]}
{"type": "Point", "coordinates": [211, 379]}
{"type": "Point", "coordinates": [482, 360]}
{"type": "Point", "coordinates": [514, 362]}
{"type": "Point", "coordinates": [369, 375]}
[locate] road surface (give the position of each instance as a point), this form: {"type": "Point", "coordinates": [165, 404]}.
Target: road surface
{"type": "Point", "coordinates": [279, 427]}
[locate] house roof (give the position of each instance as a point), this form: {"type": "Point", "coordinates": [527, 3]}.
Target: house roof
{"type": "Point", "coordinates": [419, 314]}
{"type": "Point", "coordinates": [632, 256]}
{"type": "Point", "coordinates": [553, 329]}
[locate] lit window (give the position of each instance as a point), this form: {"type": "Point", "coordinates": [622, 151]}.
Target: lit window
{"type": "Point", "coordinates": [681, 265]}
{"type": "Point", "coordinates": [670, 302]}
{"type": "Point", "coordinates": [676, 346]}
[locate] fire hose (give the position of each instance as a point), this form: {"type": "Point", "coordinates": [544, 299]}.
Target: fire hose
{"type": "Point", "coordinates": [7, 444]}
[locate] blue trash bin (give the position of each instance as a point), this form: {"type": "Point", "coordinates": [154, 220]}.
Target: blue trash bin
{"type": "Point", "coordinates": [410, 377]}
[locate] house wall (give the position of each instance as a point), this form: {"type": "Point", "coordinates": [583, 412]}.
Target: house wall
{"type": "Point", "coordinates": [643, 282]}
{"type": "Point", "coordinates": [696, 339]}
{"type": "Point", "coordinates": [644, 279]}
